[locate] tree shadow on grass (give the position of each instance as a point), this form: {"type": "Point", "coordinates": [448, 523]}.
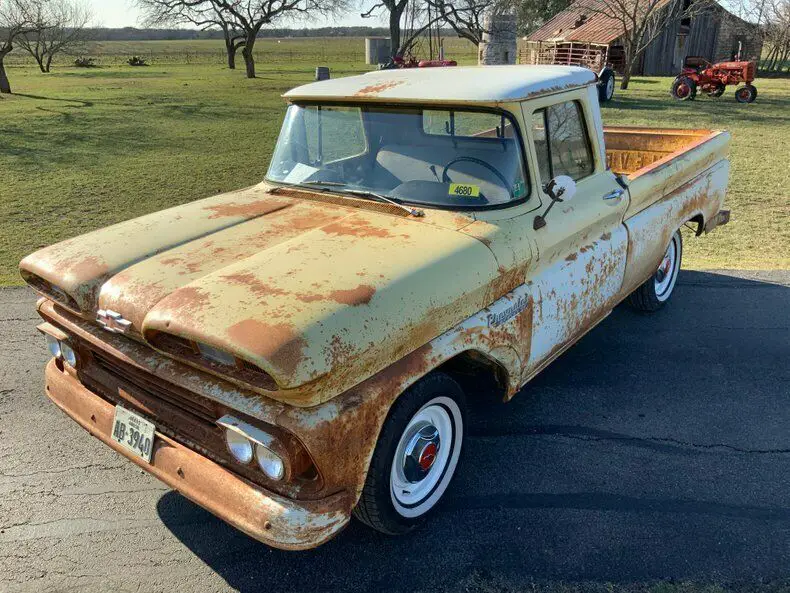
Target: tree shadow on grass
{"type": "Point", "coordinates": [653, 449]}
{"type": "Point", "coordinates": [80, 102]}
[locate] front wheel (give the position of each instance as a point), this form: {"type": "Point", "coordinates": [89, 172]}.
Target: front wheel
{"type": "Point", "coordinates": [746, 94]}
{"type": "Point", "coordinates": [654, 293]}
{"type": "Point", "coordinates": [416, 456]}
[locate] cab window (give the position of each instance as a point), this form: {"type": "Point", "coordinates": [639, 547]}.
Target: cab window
{"type": "Point", "coordinates": [561, 142]}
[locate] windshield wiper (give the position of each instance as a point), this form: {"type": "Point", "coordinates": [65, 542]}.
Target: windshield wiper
{"type": "Point", "coordinates": [329, 183]}
{"type": "Point", "coordinates": [366, 194]}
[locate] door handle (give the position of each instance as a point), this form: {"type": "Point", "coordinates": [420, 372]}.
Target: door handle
{"type": "Point", "coordinates": [615, 194]}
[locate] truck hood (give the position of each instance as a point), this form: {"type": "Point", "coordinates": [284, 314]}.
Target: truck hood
{"type": "Point", "coordinates": [297, 284]}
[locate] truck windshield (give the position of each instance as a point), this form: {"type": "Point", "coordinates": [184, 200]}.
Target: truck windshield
{"type": "Point", "coordinates": [458, 159]}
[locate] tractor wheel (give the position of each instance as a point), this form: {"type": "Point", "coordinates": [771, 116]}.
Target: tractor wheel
{"type": "Point", "coordinates": [718, 90]}
{"type": "Point", "coordinates": [684, 88]}
{"type": "Point", "coordinates": [606, 85]}
{"type": "Point", "coordinates": [746, 94]}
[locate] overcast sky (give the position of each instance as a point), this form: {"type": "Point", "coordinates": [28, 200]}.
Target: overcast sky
{"type": "Point", "coordinates": [124, 13]}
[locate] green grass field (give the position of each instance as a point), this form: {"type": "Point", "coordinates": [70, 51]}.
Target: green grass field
{"type": "Point", "coordinates": [83, 148]}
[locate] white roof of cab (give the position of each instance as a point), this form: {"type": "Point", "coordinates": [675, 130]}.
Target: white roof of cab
{"type": "Point", "coordinates": [467, 84]}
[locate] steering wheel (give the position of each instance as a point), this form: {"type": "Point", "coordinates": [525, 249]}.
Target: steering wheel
{"type": "Point", "coordinates": [471, 159]}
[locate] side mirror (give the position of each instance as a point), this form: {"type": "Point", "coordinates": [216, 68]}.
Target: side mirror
{"type": "Point", "coordinates": [560, 189]}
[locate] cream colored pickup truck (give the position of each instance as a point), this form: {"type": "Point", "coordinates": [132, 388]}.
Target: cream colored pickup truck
{"type": "Point", "coordinates": [299, 351]}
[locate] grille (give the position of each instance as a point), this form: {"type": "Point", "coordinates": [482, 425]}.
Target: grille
{"type": "Point", "coordinates": [154, 386]}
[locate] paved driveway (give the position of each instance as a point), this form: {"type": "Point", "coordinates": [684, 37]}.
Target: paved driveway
{"type": "Point", "coordinates": [657, 448]}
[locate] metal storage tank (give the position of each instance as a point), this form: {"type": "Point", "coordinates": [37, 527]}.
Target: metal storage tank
{"type": "Point", "coordinates": [377, 50]}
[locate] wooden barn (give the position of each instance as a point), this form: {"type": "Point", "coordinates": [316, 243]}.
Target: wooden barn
{"type": "Point", "coordinates": [578, 35]}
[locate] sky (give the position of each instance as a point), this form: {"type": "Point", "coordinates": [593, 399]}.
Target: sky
{"type": "Point", "coordinates": [124, 13]}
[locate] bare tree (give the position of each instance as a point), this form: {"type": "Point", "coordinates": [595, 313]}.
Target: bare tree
{"type": "Point", "coordinates": [250, 16]}
{"type": "Point", "coordinates": [17, 18]}
{"type": "Point", "coordinates": [408, 19]}
{"type": "Point", "coordinates": [777, 35]}
{"type": "Point", "coordinates": [641, 22]}
{"type": "Point", "coordinates": [467, 17]}
{"type": "Point", "coordinates": [65, 29]}
{"type": "Point", "coordinates": [203, 14]}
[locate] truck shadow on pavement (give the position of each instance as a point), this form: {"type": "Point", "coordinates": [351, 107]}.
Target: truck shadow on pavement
{"type": "Point", "coordinates": [656, 448]}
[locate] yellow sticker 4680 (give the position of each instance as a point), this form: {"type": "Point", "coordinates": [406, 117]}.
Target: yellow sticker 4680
{"type": "Point", "coordinates": [464, 190]}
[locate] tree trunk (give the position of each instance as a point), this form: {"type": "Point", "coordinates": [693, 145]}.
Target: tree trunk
{"type": "Point", "coordinates": [5, 86]}
{"type": "Point", "coordinates": [40, 63]}
{"type": "Point", "coordinates": [249, 60]}
{"type": "Point", "coordinates": [230, 48]}
{"type": "Point", "coordinates": [626, 78]}
{"type": "Point", "coordinates": [49, 61]}
{"type": "Point", "coordinates": [395, 17]}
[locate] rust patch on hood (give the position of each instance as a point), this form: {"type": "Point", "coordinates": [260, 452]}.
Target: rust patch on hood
{"type": "Point", "coordinates": [375, 89]}
{"type": "Point", "coordinates": [357, 227]}
{"type": "Point", "coordinates": [360, 295]}
{"type": "Point", "coordinates": [248, 210]}
{"type": "Point", "coordinates": [276, 342]}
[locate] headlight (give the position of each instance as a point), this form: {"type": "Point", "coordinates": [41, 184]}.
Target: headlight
{"type": "Point", "coordinates": [53, 345]}
{"type": "Point", "coordinates": [239, 446]}
{"type": "Point", "coordinates": [68, 354]}
{"type": "Point", "coordinates": [271, 464]}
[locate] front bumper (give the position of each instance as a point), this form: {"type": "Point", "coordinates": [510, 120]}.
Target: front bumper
{"type": "Point", "coordinates": [273, 519]}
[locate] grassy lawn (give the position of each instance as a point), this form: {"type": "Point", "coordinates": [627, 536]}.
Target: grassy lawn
{"type": "Point", "coordinates": [80, 149]}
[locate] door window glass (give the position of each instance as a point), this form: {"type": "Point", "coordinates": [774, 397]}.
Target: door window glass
{"type": "Point", "coordinates": [561, 142]}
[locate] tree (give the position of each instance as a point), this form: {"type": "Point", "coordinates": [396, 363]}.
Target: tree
{"type": "Point", "coordinates": [408, 19]}
{"type": "Point", "coordinates": [466, 17]}
{"type": "Point", "coordinates": [203, 14]}
{"type": "Point", "coordinates": [65, 29]}
{"type": "Point", "coordinates": [17, 18]}
{"type": "Point", "coordinates": [641, 23]}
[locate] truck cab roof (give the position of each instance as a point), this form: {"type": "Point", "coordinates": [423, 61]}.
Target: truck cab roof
{"type": "Point", "coordinates": [468, 84]}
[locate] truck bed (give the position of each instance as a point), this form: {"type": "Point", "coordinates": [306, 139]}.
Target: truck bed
{"type": "Point", "coordinates": [655, 161]}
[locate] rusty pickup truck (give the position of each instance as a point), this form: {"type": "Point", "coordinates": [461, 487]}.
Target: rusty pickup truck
{"type": "Point", "coordinates": [301, 351]}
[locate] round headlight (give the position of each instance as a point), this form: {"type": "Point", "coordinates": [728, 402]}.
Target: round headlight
{"type": "Point", "coordinates": [270, 463]}
{"type": "Point", "coordinates": [53, 345]}
{"type": "Point", "coordinates": [68, 354]}
{"type": "Point", "coordinates": [239, 446]}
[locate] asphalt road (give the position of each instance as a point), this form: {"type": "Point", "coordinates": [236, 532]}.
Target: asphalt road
{"type": "Point", "coordinates": [657, 448]}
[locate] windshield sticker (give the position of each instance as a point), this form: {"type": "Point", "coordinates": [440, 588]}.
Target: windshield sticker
{"type": "Point", "coordinates": [464, 190]}
{"type": "Point", "coordinates": [518, 189]}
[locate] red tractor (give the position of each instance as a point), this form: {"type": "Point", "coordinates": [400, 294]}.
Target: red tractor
{"type": "Point", "coordinates": [700, 75]}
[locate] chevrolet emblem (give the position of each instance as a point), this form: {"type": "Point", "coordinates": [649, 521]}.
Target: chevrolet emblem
{"type": "Point", "coordinates": [112, 321]}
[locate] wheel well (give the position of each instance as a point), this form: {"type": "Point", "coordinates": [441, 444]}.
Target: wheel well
{"type": "Point", "coordinates": [699, 220]}
{"type": "Point", "coordinates": [477, 373]}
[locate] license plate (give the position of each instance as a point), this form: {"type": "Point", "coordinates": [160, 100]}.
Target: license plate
{"type": "Point", "coordinates": [133, 433]}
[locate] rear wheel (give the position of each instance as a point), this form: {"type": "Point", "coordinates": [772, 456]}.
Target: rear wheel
{"type": "Point", "coordinates": [606, 85]}
{"type": "Point", "coordinates": [683, 88]}
{"type": "Point", "coordinates": [652, 295]}
{"type": "Point", "coordinates": [415, 457]}
{"type": "Point", "coordinates": [746, 94]}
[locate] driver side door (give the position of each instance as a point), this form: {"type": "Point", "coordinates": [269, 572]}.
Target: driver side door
{"type": "Point", "coordinates": [582, 249]}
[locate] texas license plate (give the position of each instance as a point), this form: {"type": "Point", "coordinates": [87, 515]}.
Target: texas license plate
{"type": "Point", "coordinates": [133, 433]}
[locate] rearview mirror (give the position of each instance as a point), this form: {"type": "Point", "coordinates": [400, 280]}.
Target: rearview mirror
{"type": "Point", "coordinates": [560, 189]}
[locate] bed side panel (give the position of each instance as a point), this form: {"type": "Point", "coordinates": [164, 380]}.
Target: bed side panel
{"type": "Point", "coordinates": [650, 230]}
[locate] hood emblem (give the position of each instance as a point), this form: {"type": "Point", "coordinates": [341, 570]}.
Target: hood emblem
{"type": "Point", "coordinates": [112, 321]}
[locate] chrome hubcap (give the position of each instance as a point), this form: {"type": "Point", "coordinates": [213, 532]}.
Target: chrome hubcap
{"type": "Point", "coordinates": [610, 88]}
{"type": "Point", "coordinates": [426, 456]}
{"type": "Point", "coordinates": [420, 453]}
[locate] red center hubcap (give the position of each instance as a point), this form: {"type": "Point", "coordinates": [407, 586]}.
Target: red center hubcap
{"type": "Point", "coordinates": [428, 456]}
